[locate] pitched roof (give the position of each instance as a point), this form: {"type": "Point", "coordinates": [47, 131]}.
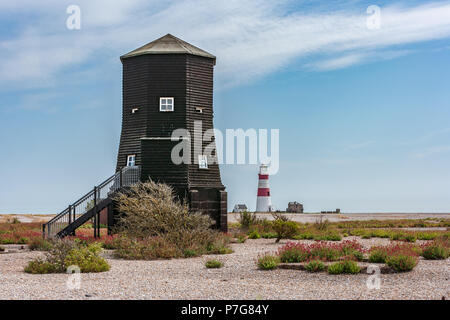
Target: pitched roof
{"type": "Point", "coordinates": [168, 44]}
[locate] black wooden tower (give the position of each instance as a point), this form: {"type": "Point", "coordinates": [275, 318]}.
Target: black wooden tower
{"type": "Point", "coordinates": [168, 85]}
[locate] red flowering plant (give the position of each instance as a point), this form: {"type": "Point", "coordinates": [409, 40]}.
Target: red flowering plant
{"type": "Point", "coordinates": [321, 250]}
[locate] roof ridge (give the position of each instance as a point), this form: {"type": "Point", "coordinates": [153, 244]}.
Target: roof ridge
{"type": "Point", "coordinates": [168, 44]}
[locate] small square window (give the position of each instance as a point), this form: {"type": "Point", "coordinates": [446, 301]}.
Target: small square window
{"type": "Point", "coordinates": [166, 104]}
{"type": "Point", "coordinates": [131, 160]}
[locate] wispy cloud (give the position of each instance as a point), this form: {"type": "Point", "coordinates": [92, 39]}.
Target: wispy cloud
{"type": "Point", "coordinates": [432, 151]}
{"type": "Point", "coordinates": [250, 38]}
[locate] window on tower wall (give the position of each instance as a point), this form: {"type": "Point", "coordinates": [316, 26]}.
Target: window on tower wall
{"type": "Point", "coordinates": [131, 160]}
{"type": "Point", "coordinates": [166, 104]}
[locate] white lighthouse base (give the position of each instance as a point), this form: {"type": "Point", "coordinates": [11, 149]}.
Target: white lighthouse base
{"type": "Point", "coordinates": [263, 204]}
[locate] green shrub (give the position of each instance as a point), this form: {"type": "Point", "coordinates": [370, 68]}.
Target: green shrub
{"type": "Point", "coordinates": [268, 262]}
{"type": "Point", "coordinates": [87, 259]}
{"type": "Point", "coordinates": [213, 264]}
{"type": "Point", "coordinates": [410, 238]}
{"type": "Point", "coordinates": [435, 252]}
{"type": "Point", "coordinates": [402, 262]}
{"type": "Point", "coordinates": [346, 266]}
{"type": "Point", "coordinates": [303, 236]}
{"type": "Point", "coordinates": [321, 224]}
{"type": "Point", "coordinates": [247, 219]}
{"type": "Point", "coordinates": [315, 266]}
{"type": "Point", "coordinates": [241, 238]}
{"type": "Point", "coordinates": [285, 229]}
{"type": "Point", "coordinates": [329, 237]}
{"type": "Point", "coordinates": [40, 266]}
{"type": "Point", "coordinates": [269, 235]}
{"type": "Point", "coordinates": [254, 234]}
{"type": "Point", "coordinates": [378, 256]}
{"type": "Point", "coordinates": [188, 253]}
{"type": "Point", "coordinates": [65, 253]}
{"type": "Point", "coordinates": [336, 268]}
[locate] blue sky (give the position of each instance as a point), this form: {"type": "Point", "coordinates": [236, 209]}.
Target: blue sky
{"type": "Point", "coordinates": [363, 114]}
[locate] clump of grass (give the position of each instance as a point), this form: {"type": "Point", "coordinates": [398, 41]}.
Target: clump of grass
{"type": "Point", "coordinates": [2, 249]}
{"type": "Point", "coordinates": [346, 266]}
{"type": "Point", "coordinates": [213, 264]}
{"type": "Point", "coordinates": [268, 262]}
{"type": "Point", "coordinates": [315, 266]}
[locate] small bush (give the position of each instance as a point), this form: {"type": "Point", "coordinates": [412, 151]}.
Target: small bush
{"type": "Point", "coordinates": [241, 238]}
{"type": "Point", "coordinates": [347, 266]}
{"type": "Point", "coordinates": [402, 262]}
{"type": "Point", "coordinates": [285, 229]}
{"type": "Point", "coordinates": [321, 224]}
{"type": "Point", "coordinates": [87, 259]}
{"type": "Point", "coordinates": [65, 253]}
{"type": "Point", "coordinates": [254, 234]}
{"type": "Point", "coordinates": [268, 262]}
{"type": "Point", "coordinates": [212, 264]}
{"type": "Point", "coordinates": [269, 235]}
{"type": "Point", "coordinates": [41, 266]}
{"type": "Point", "coordinates": [435, 251]}
{"type": "Point", "coordinates": [188, 253]}
{"type": "Point", "coordinates": [315, 266]}
{"type": "Point", "coordinates": [378, 256]}
{"type": "Point", "coordinates": [247, 219]}
{"type": "Point", "coordinates": [336, 268]}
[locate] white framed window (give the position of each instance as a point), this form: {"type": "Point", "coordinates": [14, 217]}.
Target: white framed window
{"type": "Point", "coordinates": [202, 162]}
{"type": "Point", "coordinates": [166, 104]}
{"type": "Point", "coordinates": [131, 160]}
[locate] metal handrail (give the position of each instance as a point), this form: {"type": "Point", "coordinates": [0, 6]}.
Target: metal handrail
{"type": "Point", "coordinates": [125, 177]}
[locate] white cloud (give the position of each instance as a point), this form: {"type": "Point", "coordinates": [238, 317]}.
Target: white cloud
{"type": "Point", "coordinates": [251, 39]}
{"type": "Point", "coordinates": [432, 151]}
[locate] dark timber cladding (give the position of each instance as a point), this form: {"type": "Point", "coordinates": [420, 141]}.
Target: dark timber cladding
{"type": "Point", "coordinates": [170, 67]}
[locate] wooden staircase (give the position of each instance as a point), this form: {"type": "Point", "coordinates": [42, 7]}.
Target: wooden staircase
{"type": "Point", "coordinates": [90, 205]}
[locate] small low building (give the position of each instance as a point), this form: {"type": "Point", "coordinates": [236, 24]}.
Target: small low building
{"type": "Point", "coordinates": [240, 208]}
{"type": "Point", "coordinates": [294, 207]}
{"type": "Point", "coordinates": [338, 211]}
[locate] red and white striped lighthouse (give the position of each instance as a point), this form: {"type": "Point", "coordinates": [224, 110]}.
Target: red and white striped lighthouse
{"type": "Point", "coordinates": [263, 202]}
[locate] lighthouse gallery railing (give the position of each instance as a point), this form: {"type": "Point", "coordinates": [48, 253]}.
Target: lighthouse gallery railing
{"type": "Point", "coordinates": [123, 178]}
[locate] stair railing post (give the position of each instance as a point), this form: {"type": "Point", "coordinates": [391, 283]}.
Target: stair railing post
{"type": "Point", "coordinates": [95, 212]}
{"type": "Point", "coordinates": [70, 214]}
{"type": "Point", "coordinates": [121, 178]}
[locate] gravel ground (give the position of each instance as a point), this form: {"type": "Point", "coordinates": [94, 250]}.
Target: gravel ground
{"type": "Point", "coordinates": [238, 279]}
